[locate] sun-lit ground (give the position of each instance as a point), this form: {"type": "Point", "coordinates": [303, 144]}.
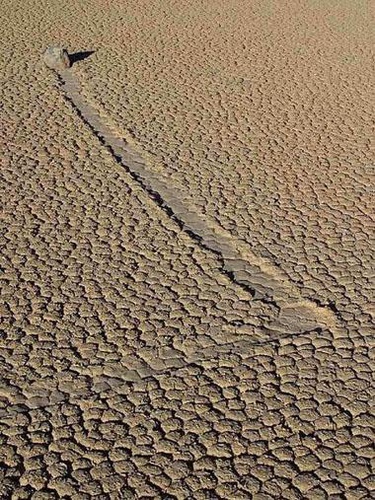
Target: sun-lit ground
{"type": "Point", "coordinates": [132, 363]}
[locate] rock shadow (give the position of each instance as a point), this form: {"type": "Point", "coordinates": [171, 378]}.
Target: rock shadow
{"type": "Point", "coordinates": [80, 56]}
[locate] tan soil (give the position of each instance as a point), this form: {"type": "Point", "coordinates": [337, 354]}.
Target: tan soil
{"type": "Point", "coordinates": [135, 360]}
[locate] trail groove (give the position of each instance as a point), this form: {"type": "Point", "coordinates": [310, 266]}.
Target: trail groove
{"type": "Point", "coordinates": [263, 280]}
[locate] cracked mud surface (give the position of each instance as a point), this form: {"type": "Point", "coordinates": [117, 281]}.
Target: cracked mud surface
{"type": "Point", "coordinates": [136, 361]}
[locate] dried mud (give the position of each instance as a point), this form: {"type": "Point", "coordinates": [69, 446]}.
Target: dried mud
{"type": "Point", "coordinates": [187, 251]}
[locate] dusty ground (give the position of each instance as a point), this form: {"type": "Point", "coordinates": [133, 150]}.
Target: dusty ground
{"type": "Point", "coordinates": [132, 365]}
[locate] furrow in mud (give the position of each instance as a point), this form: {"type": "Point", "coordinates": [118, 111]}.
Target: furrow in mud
{"type": "Point", "coordinates": [264, 282]}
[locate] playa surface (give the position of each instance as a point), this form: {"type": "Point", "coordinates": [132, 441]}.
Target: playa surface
{"type": "Point", "coordinates": [187, 253]}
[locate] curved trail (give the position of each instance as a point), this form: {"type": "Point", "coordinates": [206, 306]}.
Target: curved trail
{"type": "Point", "coordinates": [289, 314]}
{"type": "Point", "coordinates": [265, 282]}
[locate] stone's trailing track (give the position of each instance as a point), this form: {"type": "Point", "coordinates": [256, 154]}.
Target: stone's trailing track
{"type": "Point", "coordinates": [262, 280]}
{"type": "Point", "coordinates": [290, 316]}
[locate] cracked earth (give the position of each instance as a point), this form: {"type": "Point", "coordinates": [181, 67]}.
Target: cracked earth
{"type": "Point", "coordinates": [187, 251]}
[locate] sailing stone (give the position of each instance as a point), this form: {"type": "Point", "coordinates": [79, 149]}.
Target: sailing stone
{"type": "Point", "coordinates": [56, 58]}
